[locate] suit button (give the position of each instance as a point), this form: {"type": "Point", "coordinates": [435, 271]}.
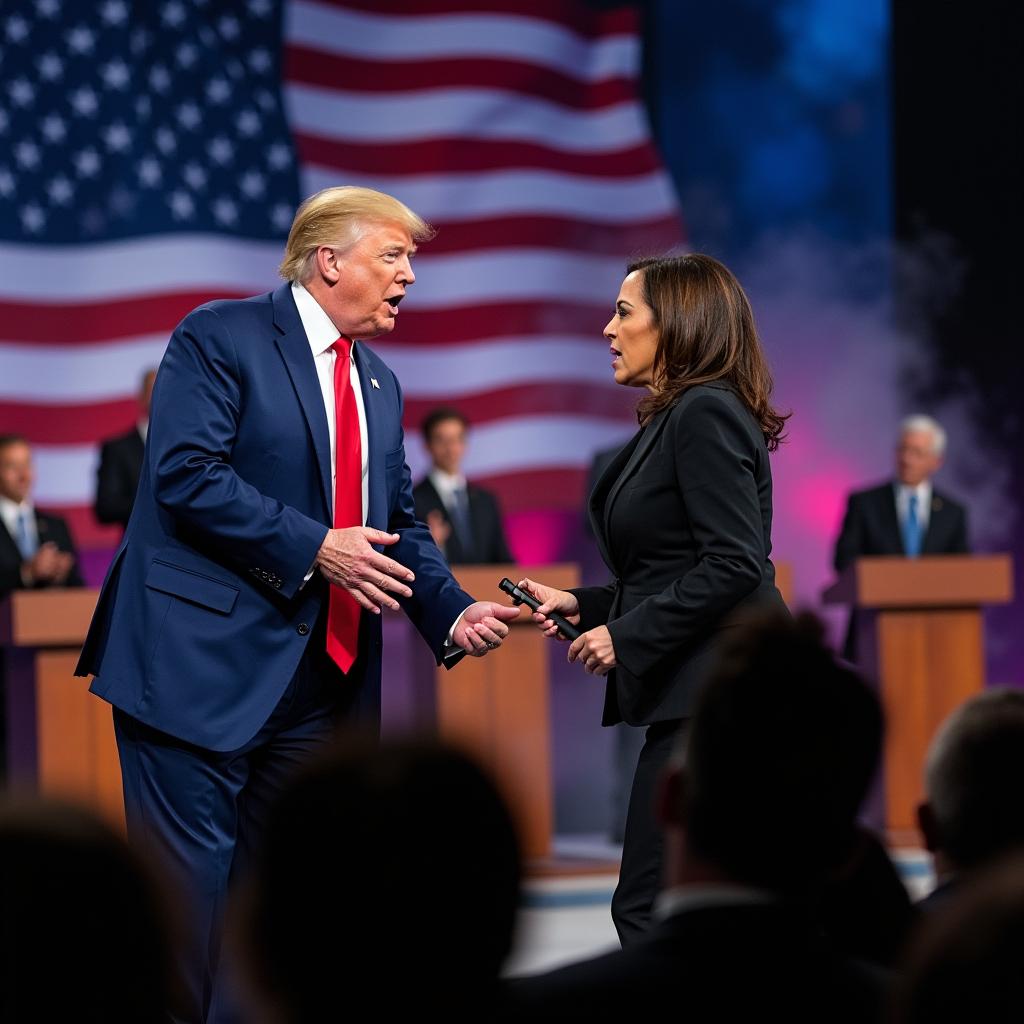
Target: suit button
{"type": "Point", "coordinates": [302, 629]}
{"type": "Point", "coordinates": [277, 584]}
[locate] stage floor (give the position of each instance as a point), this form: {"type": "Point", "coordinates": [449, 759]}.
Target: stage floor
{"type": "Point", "coordinates": [566, 905]}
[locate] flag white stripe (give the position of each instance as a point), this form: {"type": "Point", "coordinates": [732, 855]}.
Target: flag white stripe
{"type": "Point", "coordinates": [66, 474]}
{"type": "Point", "coordinates": [472, 196]}
{"type": "Point", "coordinates": [142, 266]}
{"type": "Point", "coordinates": [50, 374]}
{"type": "Point", "coordinates": [454, 371]}
{"type": "Point", "coordinates": [490, 275]}
{"type": "Point", "coordinates": [474, 36]}
{"type": "Point", "coordinates": [407, 117]}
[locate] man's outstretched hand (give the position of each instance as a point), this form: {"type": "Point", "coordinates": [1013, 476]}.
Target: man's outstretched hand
{"type": "Point", "coordinates": [483, 626]}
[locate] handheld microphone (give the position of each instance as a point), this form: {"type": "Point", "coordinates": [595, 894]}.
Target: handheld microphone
{"type": "Point", "coordinates": [520, 596]}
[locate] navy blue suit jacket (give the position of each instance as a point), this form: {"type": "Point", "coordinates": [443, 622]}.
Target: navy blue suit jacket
{"type": "Point", "coordinates": [204, 613]}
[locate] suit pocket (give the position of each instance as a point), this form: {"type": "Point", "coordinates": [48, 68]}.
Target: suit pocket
{"type": "Point", "coordinates": [191, 586]}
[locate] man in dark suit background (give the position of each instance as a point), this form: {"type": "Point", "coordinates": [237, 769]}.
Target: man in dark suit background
{"type": "Point", "coordinates": [117, 478]}
{"type": "Point", "coordinates": [464, 519]}
{"type": "Point", "coordinates": [36, 549]}
{"type": "Point", "coordinates": [906, 516]}
{"type": "Point", "coordinates": [759, 807]}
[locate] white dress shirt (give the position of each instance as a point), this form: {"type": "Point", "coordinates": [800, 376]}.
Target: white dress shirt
{"type": "Point", "coordinates": [446, 485]}
{"type": "Point", "coordinates": [322, 334]}
{"type": "Point", "coordinates": [924, 503]}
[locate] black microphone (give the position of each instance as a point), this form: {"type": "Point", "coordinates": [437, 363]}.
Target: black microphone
{"type": "Point", "coordinates": [520, 596]}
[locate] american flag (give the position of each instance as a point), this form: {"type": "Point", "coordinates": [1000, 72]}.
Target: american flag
{"type": "Point", "coordinates": [152, 156]}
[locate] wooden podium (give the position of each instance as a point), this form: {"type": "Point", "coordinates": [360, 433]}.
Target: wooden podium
{"type": "Point", "coordinates": [60, 738]}
{"type": "Point", "coordinates": [920, 635]}
{"type": "Point", "coordinates": [497, 707]}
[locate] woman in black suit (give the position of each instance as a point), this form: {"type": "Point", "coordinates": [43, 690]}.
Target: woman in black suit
{"type": "Point", "coordinates": [682, 516]}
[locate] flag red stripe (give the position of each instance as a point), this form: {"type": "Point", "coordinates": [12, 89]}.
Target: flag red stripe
{"type": "Point", "coordinates": [86, 323]}
{"type": "Point", "coordinates": [307, 66]}
{"type": "Point", "coordinates": [454, 155]}
{"type": "Point", "coordinates": [87, 422]}
{"type": "Point", "coordinates": [581, 19]}
{"type": "Point", "coordinates": [68, 424]}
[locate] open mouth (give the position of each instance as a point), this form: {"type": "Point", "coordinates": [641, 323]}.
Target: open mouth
{"type": "Point", "coordinates": [615, 353]}
{"type": "Point", "coordinates": [394, 300]}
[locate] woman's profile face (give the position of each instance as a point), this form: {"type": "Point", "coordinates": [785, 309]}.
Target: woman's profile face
{"type": "Point", "coordinates": [632, 335]}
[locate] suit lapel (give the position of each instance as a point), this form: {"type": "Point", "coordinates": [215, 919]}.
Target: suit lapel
{"type": "Point", "coordinates": [890, 516]}
{"type": "Point", "coordinates": [936, 517]}
{"type": "Point", "coordinates": [639, 452]}
{"type": "Point", "coordinates": [298, 358]}
{"type": "Point", "coordinates": [377, 488]}
{"type": "Point", "coordinates": [601, 497]}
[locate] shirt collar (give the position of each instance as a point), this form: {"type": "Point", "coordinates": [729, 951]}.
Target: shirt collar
{"type": "Point", "coordinates": [320, 330]}
{"type": "Point", "coordinates": [923, 491]}
{"type": "Point", "coordinates": [445, 483]}
{"type": "Point", "coordinates": [11, 510]}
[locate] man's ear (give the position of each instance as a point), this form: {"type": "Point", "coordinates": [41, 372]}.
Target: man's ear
{"type": "Point", "coordinates": [327, 265]}
{"type": "Point", "coordinates": [671, 804]}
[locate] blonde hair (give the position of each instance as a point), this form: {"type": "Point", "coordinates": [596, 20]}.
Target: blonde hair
{"type": "Point", "coordinates": [338, 217]}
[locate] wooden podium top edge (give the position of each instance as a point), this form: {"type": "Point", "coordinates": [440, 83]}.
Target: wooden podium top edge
{"type": "Point", "coordinates": [934, 581]}
{"type": "Point", "coordinates": [47, 618]}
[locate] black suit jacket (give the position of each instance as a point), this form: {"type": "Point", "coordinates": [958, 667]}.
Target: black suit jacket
{"type": "Point", "coordinates": [117, 478]}
{"type": "Point", "coordinates": [716, 964]}
{"type": "Point", "coordinates": [489, 543]}
{"type": "Point", "coordinates": [683, 518]}
{"type": "Point", "coordinates": [51, 528]}
{"type": "Point", "coordinates": [871, 526]}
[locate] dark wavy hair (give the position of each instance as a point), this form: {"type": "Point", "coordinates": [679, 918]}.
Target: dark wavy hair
{"type": "Point", "coordinates": [706, 333]}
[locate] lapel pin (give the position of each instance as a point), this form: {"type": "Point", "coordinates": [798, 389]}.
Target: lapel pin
{"type": "Point", "coordinates": [373, 381]}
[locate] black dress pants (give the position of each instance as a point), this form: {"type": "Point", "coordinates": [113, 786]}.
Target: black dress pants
{"type": "Point", "coordinates": [640, 875]}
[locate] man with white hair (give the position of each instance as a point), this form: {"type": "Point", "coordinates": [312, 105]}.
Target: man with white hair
{"type": "Point", "coordinates": [240, 619]}
{"type": "Point", "coordinates": [905, 516]}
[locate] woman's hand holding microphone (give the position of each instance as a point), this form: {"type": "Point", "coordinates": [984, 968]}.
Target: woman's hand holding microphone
{"type": "Point", "coordinates": [593, 649]}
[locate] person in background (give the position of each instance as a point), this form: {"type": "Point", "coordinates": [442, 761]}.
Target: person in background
{"type": "Point", "coordinates": [905, 516]}
{"type": "Point", "coordinates": [973, 811]}
{"type": "Point", "coordinates": [408, 854]}
{"type": "Point", "coordinates": [117, 478]}
{"type": "Point", "coordinates": [36, 549]}
{"type": "Point", "coordinates": [464, 519]}
{"type": "Point", "coordinates": [87, 930]}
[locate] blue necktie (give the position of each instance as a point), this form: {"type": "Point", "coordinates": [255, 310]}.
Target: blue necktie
{"type": "Point", "coordinates": [912, 530]}
{"type": "Point", "coordinates": [24, 539]}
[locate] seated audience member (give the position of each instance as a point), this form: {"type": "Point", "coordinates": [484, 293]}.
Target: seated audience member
{"type": "Point", "coordinates": [84, 932]}
{"type": "Point", "coordinates": [905, 516]}
{"type": "Point", "coordinates": [759, 810]}
{"type": "Point", "coordinates": [966, 964]}
{"type": "Point", "coordinates": [386, 888]}
{"type": "Point", "coordinates": [973, 811]}
{"type": "Point", "coordinates": [464, 519]}
{"type": "Point", "coordinates": [117, 477]}
{"type": "Point", "coordinates": [35, 548]}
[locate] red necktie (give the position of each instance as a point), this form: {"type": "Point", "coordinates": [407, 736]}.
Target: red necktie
{"type": "Point", "coordinates": [343, 610]}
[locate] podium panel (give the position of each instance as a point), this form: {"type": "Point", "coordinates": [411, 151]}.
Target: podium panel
{"type": "Point", "coordinates": [60, 737]}
{"type": "Point", "coordinates": [921, 637]}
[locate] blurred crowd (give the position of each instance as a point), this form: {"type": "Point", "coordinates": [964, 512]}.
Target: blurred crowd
{"type": "Point", "coordinates": [389, 883]}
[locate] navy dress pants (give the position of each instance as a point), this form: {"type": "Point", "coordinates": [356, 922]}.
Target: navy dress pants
{"type": "Point", "coordinates": [201, 813]}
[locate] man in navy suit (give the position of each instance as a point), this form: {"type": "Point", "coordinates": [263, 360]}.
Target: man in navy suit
{"type": "Point", "coordinates": [905, 516]}
{"type": "Point", "coordinates": [239, 621]}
